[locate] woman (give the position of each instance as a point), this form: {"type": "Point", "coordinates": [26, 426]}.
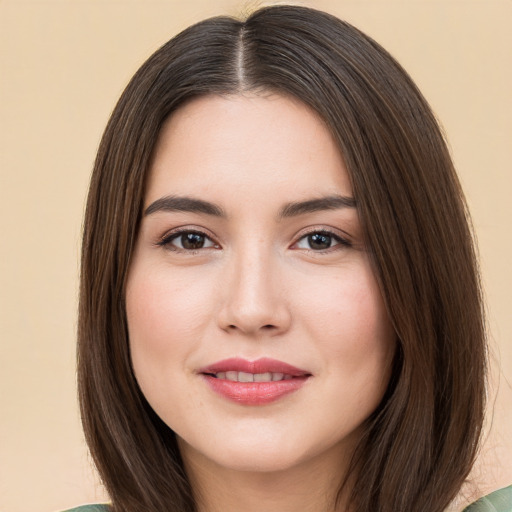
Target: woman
{"type": "Point", "coordinates": [280, 306]}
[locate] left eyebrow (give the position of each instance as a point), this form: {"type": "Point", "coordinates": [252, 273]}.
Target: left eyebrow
{"type": "Point", "coordinates": [334, 202]}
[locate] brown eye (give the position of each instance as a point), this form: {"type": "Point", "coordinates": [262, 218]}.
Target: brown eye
{"type": "Point", "coordinates": [192, 241]}
{"type": "Point", "coordinates": [322, 241]}
{"type": "Point", "coordinates": [187, 241]}
{"type": "Point", "coordinates": [319, 241]}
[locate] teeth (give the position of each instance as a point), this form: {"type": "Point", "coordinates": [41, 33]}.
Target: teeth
{"type": "Point", "coordinates": [262, 377]}
{"type": "Point", "coordinates": [252, 377]}
{"type": "Point", "coordinates": [245, 377]}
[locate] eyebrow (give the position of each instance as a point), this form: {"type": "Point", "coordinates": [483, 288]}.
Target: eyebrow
{"type": "Point", "coordinates": [184, 204]}
{"type": "Point", "coordinates": [293, 209]}
{"type": "Point", "coordinates": [334, 202]}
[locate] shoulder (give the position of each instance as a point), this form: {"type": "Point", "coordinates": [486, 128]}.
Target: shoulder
{"type": "Point", "coordinates": [497, 501]}
{"type": "Point", "coordinates": [90, 508]}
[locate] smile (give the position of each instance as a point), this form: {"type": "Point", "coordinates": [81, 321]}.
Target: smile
{"type": "Point", "coordinates": [257, 382]}
{"type": "Point", "coordinates": [252, 377]}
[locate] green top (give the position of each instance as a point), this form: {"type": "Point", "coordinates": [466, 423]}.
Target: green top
{"type": "Point", "coordinates": [498, 501]}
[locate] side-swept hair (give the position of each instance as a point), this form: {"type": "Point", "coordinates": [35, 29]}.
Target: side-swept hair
{"type": "Point", "coordinates": [419, 445]}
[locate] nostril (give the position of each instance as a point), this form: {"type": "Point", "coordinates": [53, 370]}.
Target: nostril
{"type": "Point", "coordinates": [267, 327]}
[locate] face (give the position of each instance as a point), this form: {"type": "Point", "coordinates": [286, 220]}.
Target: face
{"type": "Point", "coordinates": [257, 330]}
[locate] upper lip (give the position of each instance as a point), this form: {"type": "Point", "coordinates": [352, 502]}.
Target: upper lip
{"type": "Point", "coordinates": [263, 365]}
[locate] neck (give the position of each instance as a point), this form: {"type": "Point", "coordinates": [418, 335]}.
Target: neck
{"type": "Point", "coordinates": [309, 487]}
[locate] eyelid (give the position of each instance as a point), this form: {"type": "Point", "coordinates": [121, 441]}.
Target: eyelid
{"type": "Point", "coordinates": [342, 239]}
{"type": "Point", "coordinates": [165, 240]}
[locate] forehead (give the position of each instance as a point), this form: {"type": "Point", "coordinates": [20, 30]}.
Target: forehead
{"type": "Point", "coordinates": [246, 144]}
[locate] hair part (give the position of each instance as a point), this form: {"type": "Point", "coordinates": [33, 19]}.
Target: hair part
{"type": "Point", "coordinates": [419, 445]}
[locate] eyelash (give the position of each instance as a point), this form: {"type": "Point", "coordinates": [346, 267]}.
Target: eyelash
{"type": "Point", "coordinates": [341, 242]}
{"type": "Point", "coordinates": [166, 241]}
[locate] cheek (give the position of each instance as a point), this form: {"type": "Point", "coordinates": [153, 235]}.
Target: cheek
{"type": "Point", "coordinates": [165, 315]}
{"type": "Point", "coordinates": [373, 334]}
{"type": "Point", "coordinates": [363, 357]}
{"type": "Point", "coordinates": [351, 325]}
{"type": "Point", "coordinates": [162, 302]}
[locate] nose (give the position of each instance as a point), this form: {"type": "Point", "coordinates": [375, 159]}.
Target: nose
{"type": "Point", "coordinates": [254, 301]}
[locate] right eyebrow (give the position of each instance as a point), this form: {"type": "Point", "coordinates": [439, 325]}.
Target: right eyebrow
{"type": "Point", "coordinates": [184, 204]}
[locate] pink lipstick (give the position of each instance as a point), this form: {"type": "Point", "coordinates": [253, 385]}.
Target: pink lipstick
{"type": "Point", "coordinates": [253, 382]}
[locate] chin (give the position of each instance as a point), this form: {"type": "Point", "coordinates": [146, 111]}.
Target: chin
{"type": "Point", "coordinates": [262, 454]}
{"type": "Point", "coordinates": [261, 461]}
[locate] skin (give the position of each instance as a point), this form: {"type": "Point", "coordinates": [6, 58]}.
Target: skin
{"type": "Point", "coordinates": [256, 288]}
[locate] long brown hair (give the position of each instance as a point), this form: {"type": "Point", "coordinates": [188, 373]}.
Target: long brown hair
{"type": "Point", "coordinates": [419, 445]}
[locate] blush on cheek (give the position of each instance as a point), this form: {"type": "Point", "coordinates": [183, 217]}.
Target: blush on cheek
{"type": "Point", "coordinates": [357, 328]}
{"type": "Point", "coordinates": [157, 308]}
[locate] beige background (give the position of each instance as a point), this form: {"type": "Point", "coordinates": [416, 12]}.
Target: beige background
{"type": "Point", "coordinates": [63, 65]}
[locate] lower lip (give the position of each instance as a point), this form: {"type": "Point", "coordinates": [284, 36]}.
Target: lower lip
{"type": "Point", "coordinates": [254, 393]}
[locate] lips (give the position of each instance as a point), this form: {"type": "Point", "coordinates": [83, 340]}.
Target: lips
{"type": "Point", "coordinates": [253, 382]}
{"type": "Point", "coordinates": [235, 376]}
